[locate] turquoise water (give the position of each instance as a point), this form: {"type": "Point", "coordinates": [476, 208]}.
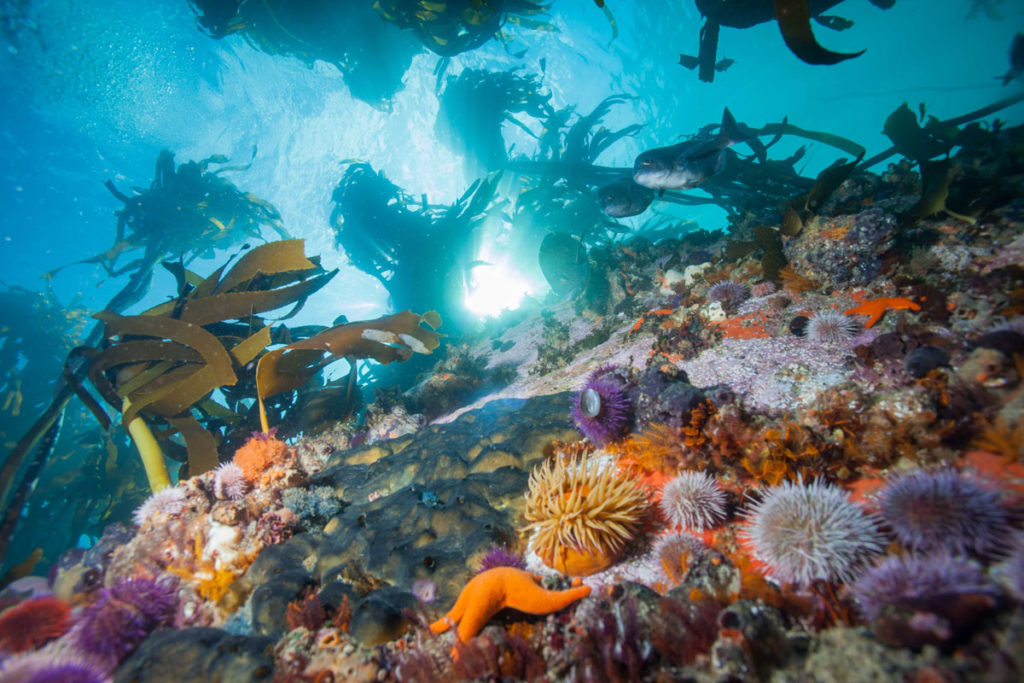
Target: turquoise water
{"type": "Point", "coordinates": [93, 91]}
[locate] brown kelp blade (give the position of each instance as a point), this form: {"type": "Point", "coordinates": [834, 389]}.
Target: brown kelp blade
{"type": "Point", "coordinates": [233, 297]}
{"type": "Point", "coordinates": [795, 24]}
{"type": "Point", "coordinates": [387, 339]}
{"type": "Point", "coordinates": [829, 181]}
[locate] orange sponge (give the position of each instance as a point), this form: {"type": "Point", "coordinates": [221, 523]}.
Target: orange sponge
{"type": "Point", "coordinates": [259, 453]}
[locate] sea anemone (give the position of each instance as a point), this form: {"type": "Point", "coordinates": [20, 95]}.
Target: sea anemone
{"type": "Point", "coordinates": [728, 293]}
{"type": "Point", "coordinates": [122, 617]}
{"type": "Point", "coordinates": [601, 410]}
{"type": "Point", "coordinates": [913, 601]}
{"type": "Point", "coordinates": [693, 500]}
{"type": "Point", "coordinates": [807, 532]}
{"type": "Point", "coordinates": [32, 622]}
{"type": "Point", "coordinates": [259, 453]}
{"type": "Point", "coordinates": [674, 554]}
{"type": "Point", "coordinates": [762, 289]}
{"type": "Point", "coordinates": [229, 482]}
{"type": "Point", "coordinates": [831, 327]}
{"type": "Point", "coordinates": [168, 501]}
{"type": "Point", "coordinates": [501, 556]}
{"type": "Point", "coordinates": [944, 510]}
{"type": "Point", "coordinates": [582, 514]}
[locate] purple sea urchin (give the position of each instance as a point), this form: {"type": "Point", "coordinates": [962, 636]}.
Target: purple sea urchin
{"type": "Point", "coordinates": [601, 410]}
{"type": "Point", "coordinates": [229, 482]}
{"type": "Point", "coordinates": [831, 327]}
{"type": "Point", "coordinates": [728, 293]}
{"type": "Point", "coordinates": [501, 556]}
{"type": "Point", "coordinates": [122, 617]}
{"type": "Point", "coordinates": [803, 532]}
{"type": "Point", "coordinates": [913, 601]}
{"type": "Point", "coordinates": [170, 501]}
{"type": "Point", "coordinates": [944, 510]}
{"type": "Point", "coordinates": [693, 500]}
{"type": "Point", "coordinates": [51, 667]}
{"type": "Point", "coordinates": [912, 578]}
{"type": "Point", "coordinates": [1013, 567]}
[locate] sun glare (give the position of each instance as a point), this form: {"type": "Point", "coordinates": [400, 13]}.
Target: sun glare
{"type": "Point", "coordinates": [495, 288]}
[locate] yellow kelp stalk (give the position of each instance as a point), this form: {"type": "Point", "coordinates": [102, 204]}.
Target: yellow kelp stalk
{"type": "Point", "coordinates": [149, 450]}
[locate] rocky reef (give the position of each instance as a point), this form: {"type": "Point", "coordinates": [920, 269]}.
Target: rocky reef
{"type": "Point", "coordinates": [713, 471]}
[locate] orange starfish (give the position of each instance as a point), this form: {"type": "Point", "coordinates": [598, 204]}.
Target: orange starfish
{"type": "Point", "coordinates": [490, 591]}
{"type": "Point", "coordinates": [876, 308]}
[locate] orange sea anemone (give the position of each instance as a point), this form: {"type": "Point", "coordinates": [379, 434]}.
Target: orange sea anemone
{"type": "Point", "coordinates": [583, 513]}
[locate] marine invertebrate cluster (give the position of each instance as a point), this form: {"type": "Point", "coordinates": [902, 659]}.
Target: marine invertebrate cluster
{"type": "Point", "coordinates": [582, 513]}
{"type": "Point", "coordinates": [29, 624]}
{"type": "Point", "coordinates": [693, 500]}
{"type": "Point", "coordinates": [602, 409]}
{"type": "Point", "coordinates": [944, 510]}
{"type": "Point", "coordinates": [806, 532]}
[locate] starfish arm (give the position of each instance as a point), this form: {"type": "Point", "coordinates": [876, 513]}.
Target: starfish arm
{"type": "Point", "coordinates": [541, 601]}
{"type": "Point", "coordinates": [441, 625]}
{"type": "Point", "coordinates": [875, 317]}
{"type": "Point", "coordinates": [456, 613]}
{"type": "Point", "coordinates": [474, 620]}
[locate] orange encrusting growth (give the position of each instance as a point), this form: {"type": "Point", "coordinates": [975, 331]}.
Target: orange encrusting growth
{"type": "Point", "coordinates": [749, 326]}
{"type": "Point", "coordinates": [260, 453]}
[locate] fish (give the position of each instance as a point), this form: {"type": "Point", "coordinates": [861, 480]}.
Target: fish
{"type": "Point", "coordinates": [689, 61]}
{"type": "Point", "coordinates": [564, 263]}
{"type": "Point", "coordinates": [689, 163]}
{"type": "Point", "coordinates": [1016, 71]}
{"type": "Point", "coordinates": [833, 22]}
{"type": "Point", "coordinates": [624, 198]}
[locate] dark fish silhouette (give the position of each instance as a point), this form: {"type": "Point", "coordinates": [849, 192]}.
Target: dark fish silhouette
{"type": "Point", "coordinates": [833, 22]}
{"type": "Point", "coordinates": [624, 198]}
{"type": "Point", "coordinates": [564, 263]}
{"type": "Point", "coordinates": [690, 62]}
{"type": "Point", "coordinates": [1016, 60]}
{"type": "Point", "coordinates": [689, 163]}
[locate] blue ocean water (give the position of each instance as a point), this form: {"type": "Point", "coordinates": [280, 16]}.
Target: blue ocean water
{"type": "Point", "coordinates": [93, 91]}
